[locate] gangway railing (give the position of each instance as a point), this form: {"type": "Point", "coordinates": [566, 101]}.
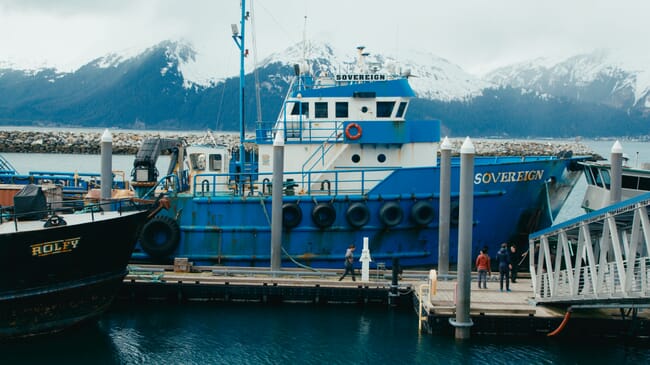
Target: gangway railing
{"type": "Point", "coordinates": [600, 257]}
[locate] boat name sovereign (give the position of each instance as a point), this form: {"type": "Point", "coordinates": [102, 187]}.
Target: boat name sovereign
{"type": "Point", "coordinates": [360, 77]}
{"type": "Point", "coordinates": [507, 176]}
{"type": "Point", "coordinates": [55, 247]}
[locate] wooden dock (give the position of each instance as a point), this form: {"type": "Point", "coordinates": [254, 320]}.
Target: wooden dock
{"type": "Point", "coordinates": [153, 282]}
{"type": "Point", "coordinates": [495, 312]}
{"type": "Point", "coordinates": [492, 312]}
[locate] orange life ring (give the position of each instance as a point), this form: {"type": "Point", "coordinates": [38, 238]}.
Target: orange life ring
{"type": "Point", "coordinates": [350, 135]}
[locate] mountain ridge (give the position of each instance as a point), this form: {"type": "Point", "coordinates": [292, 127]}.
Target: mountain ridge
{"type": "Point", "coordinates": [156, 89]}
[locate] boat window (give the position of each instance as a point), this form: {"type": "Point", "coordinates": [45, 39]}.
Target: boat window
{"type": "Point", "coordinates": [385, 108]}
{"type": "Point", "coordinates": [401, 109]}
{"type": "Point", "coordinates": [320, 110]}
{"type": "Point", "coordinates": [296, 109]}
{"type": "Point", "coordinates": [589, 176]}
{"type": "Point", "coordinates": [356, 158]}
{"type": "Point", "coordinates": [341, 109]}
{"type": "Point", "coordinates": [644, 184]}
{"type": "Point", "coordinates": [215, 162]}
{"type": "Point", "coordinates": [198, 161]}
{"type": "Point", "coordinates": [606, 178]}
{"type": "Point", "coordinates": [629, 182]}
{"type": "Point", "coordinates": [597, 180]}
{"type": "Point", "coordinates": [381, 158]}
{"type": "Point", "coordinates": [364, 109]}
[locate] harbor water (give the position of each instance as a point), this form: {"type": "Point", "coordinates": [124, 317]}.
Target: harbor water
{"type": "Point", "coordinates": [247, 333]}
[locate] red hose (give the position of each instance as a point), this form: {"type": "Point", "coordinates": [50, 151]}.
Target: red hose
{"type": "Point", "coordinates": [567, 315]}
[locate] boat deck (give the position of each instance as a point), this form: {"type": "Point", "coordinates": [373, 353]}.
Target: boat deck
{"type": "Point", "coordinates": [9, 226]}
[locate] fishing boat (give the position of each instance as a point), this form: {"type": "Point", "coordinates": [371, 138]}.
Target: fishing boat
{"type": "Point", "coordinates": [634, 182]}
{"type": "Point", "coordinates": [59, 269]}
{"type": "Point", "coordinates": [354, 167]}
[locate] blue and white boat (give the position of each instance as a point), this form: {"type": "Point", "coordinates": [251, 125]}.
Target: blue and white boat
{"type": "Point", "coordinates": [354, 167]}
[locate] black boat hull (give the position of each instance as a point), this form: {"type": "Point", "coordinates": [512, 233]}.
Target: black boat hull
{"type": "Point", "coordinates": [55, 278]}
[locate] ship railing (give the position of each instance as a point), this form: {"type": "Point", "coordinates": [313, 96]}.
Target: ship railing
{"type": "Point", "coordinates": [9, 213]}
{"type": "Point", "coordinates": [325, 182]}
{"type": "Point", "coordinates": [318, 156]}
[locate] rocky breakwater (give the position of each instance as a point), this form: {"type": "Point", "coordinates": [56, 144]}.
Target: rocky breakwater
{"type": "Point", "coordinates": [85, 142]}
{"type": "Point", "coordinates": [127, 143]}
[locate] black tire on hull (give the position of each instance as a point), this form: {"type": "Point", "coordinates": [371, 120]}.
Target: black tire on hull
{"type": "Point", "coordinates": [391, 214]}
{"type": "Point", "coordinates": [422, 213]}
{"type": "Point", "coordinates": [357, 215]}
{"type": "Point", "coordinates": [323, 215]}
{"type": "Point", "coordinates": [160, 237]}
{"type": "Point", "coordinates": [291, 215]}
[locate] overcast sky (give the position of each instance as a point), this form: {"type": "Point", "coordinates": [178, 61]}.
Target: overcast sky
{"type": "Point", "coordinates": [478, 35]}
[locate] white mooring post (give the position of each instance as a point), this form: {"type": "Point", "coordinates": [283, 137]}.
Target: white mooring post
{"type": "Point", "coordinates": [365, 261]}
{"type": "Point", "coordinates": [616, 159]}
{"type": "Point", "coordinates": [444, 207]}
{"type": "Point", "coordinates": [463, 321]}
{"type": "Point", "coordinates": [276, 201]}
{"type": "Point", "coordinates": [106, 167]}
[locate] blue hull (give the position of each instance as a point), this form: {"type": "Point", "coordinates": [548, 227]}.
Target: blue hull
{"type": "Point", "coordinates": [512, 199]}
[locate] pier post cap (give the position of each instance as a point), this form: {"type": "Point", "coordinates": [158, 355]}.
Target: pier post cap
{"type": "Point", "coordinates": [446, 145]}
{"type": "Point", "coordinates": [278, 140]}
{"type": "Point", "coordinates": [617, 147]}
{"type": "Point", "coordinates": [107, 136]}
{"type": "Point", "coordinates": [467, 147]}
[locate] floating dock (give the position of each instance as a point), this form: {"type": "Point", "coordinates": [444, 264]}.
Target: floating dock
{"type": "Point", "coordinates": [492, 312]}
{"type": "Point", "coordinates": [495, 312]}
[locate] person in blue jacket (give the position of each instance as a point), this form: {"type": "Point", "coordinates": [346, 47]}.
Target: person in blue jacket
{"type": "Point", "coordinates": [503, 258]}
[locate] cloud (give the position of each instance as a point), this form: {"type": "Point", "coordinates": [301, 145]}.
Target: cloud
{"type": "Point", "coordinates": [476, 34]}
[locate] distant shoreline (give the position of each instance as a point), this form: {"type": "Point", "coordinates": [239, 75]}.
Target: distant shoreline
{"type": "Point", "coordinates": [87, 141]}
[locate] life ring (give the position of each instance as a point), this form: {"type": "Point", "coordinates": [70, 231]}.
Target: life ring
{"type": "Point", "coordinates": [391, 214]}
{"type": "Point", "coordinates": [323, 215]}
{"type": "Point", "coordinates": [422, 213]}
{"type": "Point", "coordinates": [349, 134]}
{"type": "Point", "coordinates": [160, 237]}
{"type": "Point", "coordinates": [291, 215]}
{"type": "Point", "coordinates": [357, 214]}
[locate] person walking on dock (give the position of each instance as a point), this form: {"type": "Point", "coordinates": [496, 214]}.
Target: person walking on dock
{"type": "Point", "coordinates": [503, 258]}
{"type": "Point", "coordinates": [514, 262]}
{"type": "Point", "coordinates": [349, 262]}
{"type": "Point", "coordinates": [483, 268]}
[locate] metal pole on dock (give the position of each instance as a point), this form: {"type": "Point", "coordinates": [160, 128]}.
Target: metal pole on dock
{"type": "Point", "coordinates": [616, 159]}
{"type": "Point", "coordinates": [276, 203]}
{"type": "Point", "coordinates": [106, 165]}
{"type": "Point", "coordinates": [444, 207]}
{"type": "Point", "coordinates": [463, 321]}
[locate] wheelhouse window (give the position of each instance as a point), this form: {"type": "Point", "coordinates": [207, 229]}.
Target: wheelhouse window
{"type": "Point", "coordinates": [401, 109]}
{"type": "Point", "coordinates": [644, 184]}
{"type": "Point", "coordinates": [341, 109]}
{"type": "Point", "coordinates": [296, 109]}
{"type": "Point", "coordinates": [320, 110]}
{"type": "Point", "coordinates": [385, 108]}
{"type": "Point", "coordinates": [216, 162]}
{"type": "Point", "coordinates": [629, 182]}
{"type": "Point", "coordinates": [198, 161]}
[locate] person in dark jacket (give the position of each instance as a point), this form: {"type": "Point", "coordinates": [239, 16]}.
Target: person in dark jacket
{"type": "Point", "coordinates": [514, 262]}
{"type": "Point", "coordinates": [503, 258]}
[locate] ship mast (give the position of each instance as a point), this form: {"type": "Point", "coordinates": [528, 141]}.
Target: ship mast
{"type": "Point", "coordinates": [239, 38]}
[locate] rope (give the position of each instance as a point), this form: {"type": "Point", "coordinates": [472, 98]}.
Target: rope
{"type": "Point", "coordinates": [268, 219]}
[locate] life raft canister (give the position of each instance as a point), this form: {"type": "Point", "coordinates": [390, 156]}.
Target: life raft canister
{"type": "Point", "coordinates": [391, 214]}
{"type": "Point", "coordinates": [357, 214]}
{"type": "Point", "coordinates": [160, 237]}
{"type": "Point", "coordinates": [422, 213]}
{"type": "Point", "coordinates": [348, 131]}
{"type": "Point", "coordinates": [291, 215]}
{"type": "Point", "coordinates": [323, 215]}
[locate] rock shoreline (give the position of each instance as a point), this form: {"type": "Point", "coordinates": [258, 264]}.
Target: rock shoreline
{"type": "Point", "coordinates": [127, 143]}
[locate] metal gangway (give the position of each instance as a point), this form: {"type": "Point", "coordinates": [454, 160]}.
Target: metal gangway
{"type": "Point", "coordinates": [599, 259]}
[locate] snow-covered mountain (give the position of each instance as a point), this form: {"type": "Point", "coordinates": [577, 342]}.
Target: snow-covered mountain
{"type": "Point", "coordinates": [167, 86]}
{"type": "Point", "coordinates": [432, 77]}
{"type": "Point", "coordinates": [595, 77]}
